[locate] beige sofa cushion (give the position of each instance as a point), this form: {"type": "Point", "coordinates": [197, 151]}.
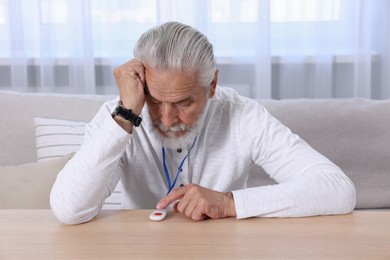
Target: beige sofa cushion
{"type": "Point", "coordinates": [17, 130]}
{"type": "Point", "coordinates": [28, 186]}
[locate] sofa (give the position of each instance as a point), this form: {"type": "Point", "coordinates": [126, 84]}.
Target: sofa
{"type": "Point", "coordinates": [40, 133]}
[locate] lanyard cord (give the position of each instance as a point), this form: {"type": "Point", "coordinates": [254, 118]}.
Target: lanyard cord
{"type": "Point", "coordinates": [171, 185]}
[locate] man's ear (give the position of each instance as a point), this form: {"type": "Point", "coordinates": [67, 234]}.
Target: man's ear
{"type": "Point", "coordinates": [213, 84]}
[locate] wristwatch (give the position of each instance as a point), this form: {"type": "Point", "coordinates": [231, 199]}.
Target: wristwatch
{"type": "Point", "coordinates": [126, 114]}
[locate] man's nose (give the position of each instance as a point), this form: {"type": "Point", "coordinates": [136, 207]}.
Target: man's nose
{"type": "Point", "coordinates": [168, 114]}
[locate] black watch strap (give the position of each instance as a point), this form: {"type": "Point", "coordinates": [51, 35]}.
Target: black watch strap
{"type": "Point", "coordinates": [126, 114]}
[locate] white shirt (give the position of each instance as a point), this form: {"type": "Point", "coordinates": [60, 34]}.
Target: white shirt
{"type": "Point", "coordinates": [237, 132]}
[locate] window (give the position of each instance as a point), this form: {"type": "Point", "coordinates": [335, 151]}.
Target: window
{"type": "Point", "coordinates": [244, 11]}
{"type": "Point", "coordinates": [298, 27]}
{"type": "Point", "coordinates": [305, 10]}
{"type": "Point", "coordinates": [227, 11]}
{"type": "Point", "coordinates": [2, 12]}
{"type": "Point", "coordinates": [127, 12]}
{"type": "Point", "coordinates": [54, 12]}
{"type": "Point", "coordinates": [72, 43]}
{"type": "Point", "coordinates": [233, 26]}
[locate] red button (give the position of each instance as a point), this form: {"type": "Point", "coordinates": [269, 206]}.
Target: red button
{"type": "Point", "coordinates": [157, 214]}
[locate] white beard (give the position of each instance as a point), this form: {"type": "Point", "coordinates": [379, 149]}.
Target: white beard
{"type": "Point", "coordinates": [172, 141]}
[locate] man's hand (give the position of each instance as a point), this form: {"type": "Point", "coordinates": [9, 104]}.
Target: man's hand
{"type": "Point", "coordinates": [130, 79]}
{"type": "Point", "coordinates": [198, 203]}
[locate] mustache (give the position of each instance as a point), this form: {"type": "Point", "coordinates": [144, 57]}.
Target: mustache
{"type": "Point", "coordinates": [174, 128]}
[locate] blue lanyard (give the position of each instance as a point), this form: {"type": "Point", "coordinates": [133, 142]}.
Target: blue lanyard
{"type": "Point", "coordinates": [171, 185]}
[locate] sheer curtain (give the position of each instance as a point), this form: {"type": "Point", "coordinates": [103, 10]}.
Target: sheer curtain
{"type": "Point", "coordinates": [264, 48]}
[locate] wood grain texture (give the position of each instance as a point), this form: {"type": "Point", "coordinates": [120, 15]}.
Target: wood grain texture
{"type": "Point", "coordinates": [129, 234]}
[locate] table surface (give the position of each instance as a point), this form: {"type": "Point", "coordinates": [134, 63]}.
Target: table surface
{"type": "Point", "coordinates": [129, 234]}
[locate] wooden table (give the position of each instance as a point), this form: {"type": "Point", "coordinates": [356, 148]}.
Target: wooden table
{"type": "Point", "coordinates": [129, 234]}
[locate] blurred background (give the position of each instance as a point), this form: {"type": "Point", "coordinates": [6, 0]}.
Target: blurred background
{"type": "Point", "coordinates": [264, 48]}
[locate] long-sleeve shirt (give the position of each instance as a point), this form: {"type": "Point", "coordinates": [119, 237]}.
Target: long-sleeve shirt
{"type": "Point", "coordinates": [235, 133]}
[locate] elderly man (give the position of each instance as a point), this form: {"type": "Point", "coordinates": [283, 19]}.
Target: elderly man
{"type": "Point", "coordinates": [175, 137]}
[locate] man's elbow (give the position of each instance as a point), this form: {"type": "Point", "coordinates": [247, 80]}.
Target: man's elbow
{"type": "Point", "coordinates": [346, 197]}
{"type": "Point", "coordinates": [69, 215]}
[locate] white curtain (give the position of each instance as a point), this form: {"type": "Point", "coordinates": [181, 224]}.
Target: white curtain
{"type": "Point", "coordinates": [264, 48]}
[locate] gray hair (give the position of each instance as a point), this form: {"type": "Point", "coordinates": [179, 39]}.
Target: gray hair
{"type": "Point", "coordinates": [178, 47]}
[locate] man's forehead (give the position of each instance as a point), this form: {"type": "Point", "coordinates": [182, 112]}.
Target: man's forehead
{"type": "Point", "coordinates": [173, 94]}
{"type": "Point", "coordinates": [170, 84]}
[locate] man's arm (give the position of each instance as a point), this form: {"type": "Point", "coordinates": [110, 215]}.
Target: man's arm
{"type": "Point", "coordinates": [92, 174]}
{"type": "Point", "coordinates": [308, 183]}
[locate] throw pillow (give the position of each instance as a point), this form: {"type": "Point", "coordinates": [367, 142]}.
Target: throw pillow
{"type": "Point", "coordinates": [56, 138]}
{"type": "Point", "coordinates": [28, 186]}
